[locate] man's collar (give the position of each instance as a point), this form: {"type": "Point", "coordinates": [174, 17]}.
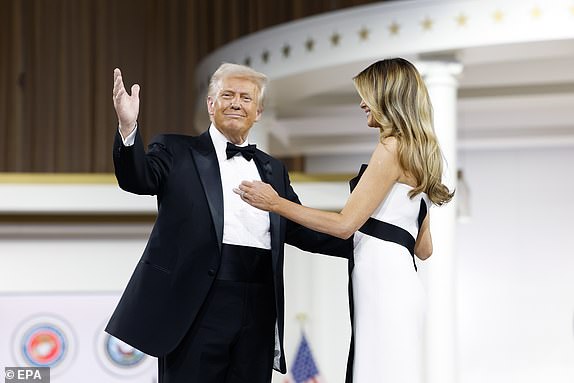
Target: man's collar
{"type": "Point", "coordinates": [220, 142]}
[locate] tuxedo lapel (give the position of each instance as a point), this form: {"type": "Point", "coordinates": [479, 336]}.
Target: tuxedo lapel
{"type": "Point", "coordinates": [264, 166]}
{"type": "Point", "coordinates": [207, 165]}
{"type": "Point", "coordinates": [263, 163]}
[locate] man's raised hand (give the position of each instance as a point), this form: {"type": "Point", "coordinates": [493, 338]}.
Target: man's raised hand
{"type": "Point", "coordinates": [127, 107]}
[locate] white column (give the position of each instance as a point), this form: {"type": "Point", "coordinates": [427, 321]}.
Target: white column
{"type": "Point", "coordinates": [439, 271]}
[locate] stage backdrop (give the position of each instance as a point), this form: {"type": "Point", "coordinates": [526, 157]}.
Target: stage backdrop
{"type": "Point", "coordinates": [65, 332]}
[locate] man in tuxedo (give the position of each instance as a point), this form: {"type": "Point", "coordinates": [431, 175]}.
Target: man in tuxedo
{"type": "Point", "coordinates": [207, 296]}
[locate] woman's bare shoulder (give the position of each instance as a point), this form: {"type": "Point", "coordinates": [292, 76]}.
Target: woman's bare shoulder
{"type": "Point", "coordinates": [384, 160]}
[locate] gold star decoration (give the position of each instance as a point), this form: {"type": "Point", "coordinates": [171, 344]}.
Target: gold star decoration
{"type": "Point", "coordinates": [286, 50]}
{"type": "Point", "coordinates": [498, 16]}
{"type": "Point", "coordinates": [335, 38]}
{"type": "Point", "coordinates": [536, 12]}
{"type": "Point", "coordinates": [427, 24]}
{"type": "Point", "coordinates": [247, 61]}
{"type": "Point", "coordinates": [265, 56]}
{"type": "Point", "coordinates": [461, 20]}
{"type": "Point", "coordinates": [364, 34]}
{"type": "Point", "coordinates": [394, 28]}
{"type": "Point", "coordinates": [309, 44]}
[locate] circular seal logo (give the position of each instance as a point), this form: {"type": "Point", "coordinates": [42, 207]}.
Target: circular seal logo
{"type": "Point", "coordinates": [121, 359]}
{"type": "Point", "coordinates": [44, 345]}
{"type": "Point", "coordinates": [44, 341]}
{"type": "Point", "coordinates": [122, 354]}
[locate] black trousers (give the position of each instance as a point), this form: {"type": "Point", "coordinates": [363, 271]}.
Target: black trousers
{"type": "Point", "coordinates": [233, 337]}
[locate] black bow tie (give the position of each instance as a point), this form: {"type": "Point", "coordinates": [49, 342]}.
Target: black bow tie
{"type": "Point", "coordinates": [246, 151]}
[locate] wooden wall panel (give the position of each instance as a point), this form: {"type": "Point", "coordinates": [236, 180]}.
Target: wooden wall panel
{"type": "Point", "coordinates": [57, 58]}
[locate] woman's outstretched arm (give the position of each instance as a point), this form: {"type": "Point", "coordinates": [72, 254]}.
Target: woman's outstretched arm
{"type": "Point", "coordinates": [383, 171]}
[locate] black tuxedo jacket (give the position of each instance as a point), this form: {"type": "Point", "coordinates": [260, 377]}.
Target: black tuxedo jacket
{"type": "Point", "coordinates": [182, 256]}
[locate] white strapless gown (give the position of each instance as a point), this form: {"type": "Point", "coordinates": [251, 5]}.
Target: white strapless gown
{"type": "Point", "coordinates": [389, 301]}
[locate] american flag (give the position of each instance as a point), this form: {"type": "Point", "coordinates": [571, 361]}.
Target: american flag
{"type": "Point", "coordinates": [304, 370]}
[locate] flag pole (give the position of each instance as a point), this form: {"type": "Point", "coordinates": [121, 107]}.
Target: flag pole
{"type": "Point", "coordinates": [302, 318]}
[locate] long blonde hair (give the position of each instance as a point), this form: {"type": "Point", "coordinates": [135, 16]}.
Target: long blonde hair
{"type": "Point", "coordinates": [398, 99]}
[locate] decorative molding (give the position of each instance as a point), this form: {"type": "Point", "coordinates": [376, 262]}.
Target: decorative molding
{"type": "Point", "coordinates": [65, 218]}
{"type": "Point", "coordinates": [109, 179]}
{"type": "Point", "coordinates": [84, 203]}
{"type": "Point", "coordinates": [58, 178]}
{"type": "Point", "coordinates": [39, 205]}
{"type": "Point", "coordinates": [390, 29]}
{"type": "Point", "coordinates": [57, 229]}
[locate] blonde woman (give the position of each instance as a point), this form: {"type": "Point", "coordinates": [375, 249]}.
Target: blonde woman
{"type": "Point", "coordinates": [388, 213]}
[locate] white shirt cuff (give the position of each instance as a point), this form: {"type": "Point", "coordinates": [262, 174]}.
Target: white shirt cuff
{"type": "Point", "coordinates": [131, 138]}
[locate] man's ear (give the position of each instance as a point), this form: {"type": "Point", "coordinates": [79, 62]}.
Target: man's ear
{"type": "Point", "coordinates": [210, 102]}
{"type": "Point", "coordinates": [258, 113]}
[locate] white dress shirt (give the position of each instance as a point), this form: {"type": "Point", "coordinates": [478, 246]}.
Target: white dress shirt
{"type": "Point", "coordinates": [243, 224]}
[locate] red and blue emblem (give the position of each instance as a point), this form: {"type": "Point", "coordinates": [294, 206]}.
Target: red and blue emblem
{"type": "Point", "coordinates": [44, 345]}
{"type": "Point", "coordinates": [44, 340]}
